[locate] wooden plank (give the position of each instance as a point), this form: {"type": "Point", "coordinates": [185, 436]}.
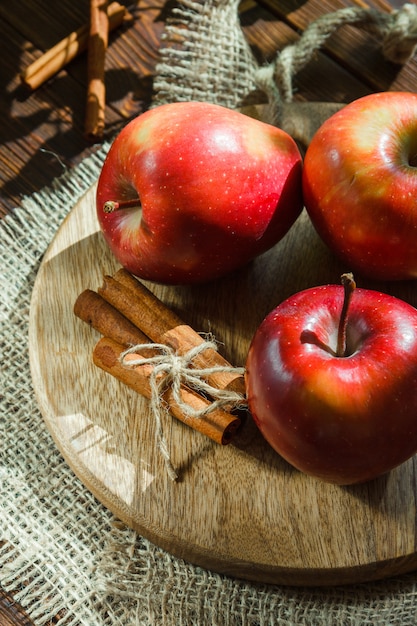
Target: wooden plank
{"type": "Point", "coordinates": [130, 62]}
{"type": "Point", "coordinates": [45, 23]}
{"type": "Point", "coordinates": [51, 120]}
{"type": "Point", "coordinates": [11, 613]}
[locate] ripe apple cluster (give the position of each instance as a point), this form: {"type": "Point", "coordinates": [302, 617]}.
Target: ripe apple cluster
{"type": "Point", "coordinates": [331, 374]}
{"type": "Point", "coordinates": [192, 191]}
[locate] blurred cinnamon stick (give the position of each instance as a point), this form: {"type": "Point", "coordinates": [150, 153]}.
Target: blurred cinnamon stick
{"type": "Point", "coordinates": [96, 89]}
{"type": "Point", "coordinates": [91, 308]}
{"type": "Point", "coordinates": [57, 57]}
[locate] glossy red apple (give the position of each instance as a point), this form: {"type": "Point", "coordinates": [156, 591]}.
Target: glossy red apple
{"type": "Point", "coordinates": [360, 184]}
{"type": "Point", "coordinates": [335, 394]}
{"type": "Point", "coordinates": [191, 191]}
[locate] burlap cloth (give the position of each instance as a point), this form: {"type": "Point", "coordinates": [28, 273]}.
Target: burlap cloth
{"type": "Point", "coordinates": [63, 555]}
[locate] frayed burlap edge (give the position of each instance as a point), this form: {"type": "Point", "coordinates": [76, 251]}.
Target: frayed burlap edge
{"type": "Point", "coordinates": [145, 585]}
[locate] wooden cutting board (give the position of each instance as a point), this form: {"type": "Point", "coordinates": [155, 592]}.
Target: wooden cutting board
{"type": "Point", "coordinates": [238, 509]}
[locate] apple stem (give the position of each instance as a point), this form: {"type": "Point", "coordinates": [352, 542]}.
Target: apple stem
{"type": "Point", "coordinates": [113, 205]}
{"type": "Point", "coordinates": [349, 285]}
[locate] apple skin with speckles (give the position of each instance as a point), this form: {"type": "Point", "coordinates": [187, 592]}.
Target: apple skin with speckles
{"type": "Point", "coordinates": [213, 188]}
{"type": "Point", "coordinates": [342, 419]}
{"type": "Point", "coordinates": [360, 185]}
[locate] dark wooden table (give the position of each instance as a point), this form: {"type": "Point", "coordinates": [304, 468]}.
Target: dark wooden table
{"type": "Point", "coordinates": [42, 133]}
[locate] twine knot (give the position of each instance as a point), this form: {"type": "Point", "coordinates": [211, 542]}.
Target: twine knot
{"type": "Point", "coordinates": [169, 368]}
{"type": "Point", "coordinates": [397, 31]}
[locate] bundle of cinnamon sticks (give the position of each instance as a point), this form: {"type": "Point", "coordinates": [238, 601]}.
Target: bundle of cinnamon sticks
{"type": "Point", "coordinates": [126, 313]}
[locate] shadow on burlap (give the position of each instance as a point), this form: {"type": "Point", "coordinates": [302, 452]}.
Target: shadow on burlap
{"type": "Point", "coordinates": [62, 553]}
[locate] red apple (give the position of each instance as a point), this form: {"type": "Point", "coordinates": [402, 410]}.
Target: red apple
{"type": "Point", "coordinates": [360, 184]}
{"type": "Point", "coordinates": [190, 191]}
{"type": "Point", "coordinates": [335, 394]}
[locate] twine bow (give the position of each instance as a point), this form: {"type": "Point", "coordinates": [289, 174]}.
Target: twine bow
{"type": "Point", "coordinates": [396, 30]}
{"type": "Point", "coordinates": [172, 369]}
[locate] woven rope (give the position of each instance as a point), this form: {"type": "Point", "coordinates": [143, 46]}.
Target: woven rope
{"type": "Point", "coordinates": [62, 554]}
{"type": "Point", "coordinates": [397, 32]}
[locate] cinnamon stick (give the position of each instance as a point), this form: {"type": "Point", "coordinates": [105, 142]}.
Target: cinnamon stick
{"type": "Point", "coordinates": [138, 304]}
{"type": "Point", "coordinates": [91, 308]}
{"type": "Point", "coordinates": [57, 57]}
{"type": "Point", "coordinates": [96, 90]}
{"type": "Point", "coordinates": [219, 425]}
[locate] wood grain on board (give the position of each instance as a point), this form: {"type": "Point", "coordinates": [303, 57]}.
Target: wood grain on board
{"type": "Point", "coordinates": [238, 509]}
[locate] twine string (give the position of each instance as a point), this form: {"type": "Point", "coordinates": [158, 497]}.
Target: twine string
{"type": "Point", "coordinates": [172, 369]}
{"type": "Point", "coordinates": [397, 31]}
